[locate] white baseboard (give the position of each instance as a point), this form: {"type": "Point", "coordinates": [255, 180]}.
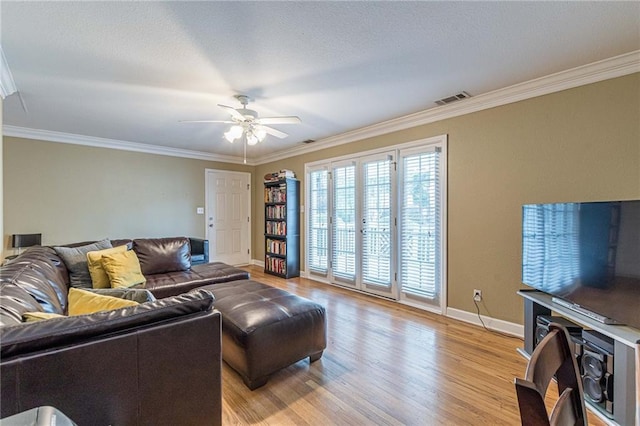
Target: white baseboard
{"type": "Point", "coordinates": [257, 262]}
{"type": "Point", "coordinates": [502, 326]}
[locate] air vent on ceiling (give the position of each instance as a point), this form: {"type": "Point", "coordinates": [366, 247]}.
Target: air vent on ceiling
{"type": "Point", "coordinates": [309, 141]}
{"type": "Point", "coordinates": [454, 98]}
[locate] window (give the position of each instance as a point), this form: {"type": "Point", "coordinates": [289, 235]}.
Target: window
{"type": "Point", "coordinates": [376, 222]}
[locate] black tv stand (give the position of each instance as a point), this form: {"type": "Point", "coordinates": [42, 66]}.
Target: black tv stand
{"type": "Point", "coordinates": [625, 340]}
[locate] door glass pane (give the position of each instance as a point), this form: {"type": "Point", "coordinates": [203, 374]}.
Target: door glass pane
{"type": "Point", "coordinates": [420, 225]}
{"type": "Point", "coordinates": [344, 225]}
{"type": "Point", "coordinates": [376, 223]}
{"type": "Point", "coordinates": [317, 239]}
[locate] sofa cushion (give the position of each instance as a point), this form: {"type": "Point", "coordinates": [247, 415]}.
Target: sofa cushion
{"type": "Point", "coordinates": [160, 255]}
{"type": "Point", "coordinates": [82, 302]}
{"type": "Point", "coordinates": [75, 258]}
{"type": "Point", "coordinates": [99, 277]}
{"type": "Point", "coordinates": [175, 283]}
{"type": "Point", "coordinates": [123, 269]}
{"type": "Point", "coordinates": [42, 274]}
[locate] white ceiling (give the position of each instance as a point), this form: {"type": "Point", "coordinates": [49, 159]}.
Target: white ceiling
{"type": "Point", "coordinates": [129, 71]}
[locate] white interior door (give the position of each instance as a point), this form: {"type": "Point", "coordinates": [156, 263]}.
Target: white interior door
{"type": "Point", "coordinates": [228, 221]}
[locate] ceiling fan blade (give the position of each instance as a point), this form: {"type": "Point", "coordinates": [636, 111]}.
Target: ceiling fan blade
{"type": "Point", "coordinates": [234, 113]}
{"type": "Point", "coordinates": [279, 120]}
{"type": "Point", "coordinates": [207, 121]}
{"type": "Point", "coordinates": [274, 132]}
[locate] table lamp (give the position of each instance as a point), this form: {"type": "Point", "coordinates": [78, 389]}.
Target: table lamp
{"type": "Point", "coordinates": [25, 240]}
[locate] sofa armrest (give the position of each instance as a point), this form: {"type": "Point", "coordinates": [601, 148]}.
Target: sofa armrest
{"type": "Point", "coordinates": [119, 367]}
{"type": "Point", "coordinates": [199, 250]}
{"type": "Point", "coordinates": [42, 335]}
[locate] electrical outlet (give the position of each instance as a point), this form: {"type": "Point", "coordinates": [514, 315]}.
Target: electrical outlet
{"type": "Point", "coordinates": [477, 295]}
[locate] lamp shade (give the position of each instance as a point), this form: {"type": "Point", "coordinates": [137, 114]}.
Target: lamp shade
{"type": "Point", "coordinates": [25, 240]}
{"type": "Point", "coordinates": [233, 133]}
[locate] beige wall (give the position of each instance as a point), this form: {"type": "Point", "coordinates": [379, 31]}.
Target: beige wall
{"type": "Point", "coordinates": [74, 193]}
{"type": "Point", "coordinates": [580, 144]}
{"type": "Point", "coordinates": [576, 145]}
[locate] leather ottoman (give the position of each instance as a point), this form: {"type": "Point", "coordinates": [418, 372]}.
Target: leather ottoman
{"type": "Point", "coordinates": [265, 329]}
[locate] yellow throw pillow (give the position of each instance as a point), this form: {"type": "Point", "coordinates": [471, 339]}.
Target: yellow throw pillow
{"type": "Point", "coordinates": [85, 302]}
{"type": "Point", "coordinates": [123, 269]}
{"type": "Point", "coordinates": [39, 316]}
{"type": "Point", "coordinates": [99, 277]}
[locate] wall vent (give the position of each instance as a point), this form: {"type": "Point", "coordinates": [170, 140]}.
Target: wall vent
{"type": "Point", "coordinates": [309, 141]}
{"type": "Point", "coordinates": [453, 98]}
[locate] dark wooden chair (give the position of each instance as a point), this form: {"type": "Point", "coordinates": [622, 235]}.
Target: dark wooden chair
{"type": "Point", "coordinates": [552, 357]}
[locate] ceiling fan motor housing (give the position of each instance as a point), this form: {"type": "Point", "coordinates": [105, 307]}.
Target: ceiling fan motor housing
{"type": "Point", "coordinates": [249, 114]}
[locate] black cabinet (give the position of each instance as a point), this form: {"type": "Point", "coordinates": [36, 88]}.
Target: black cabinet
{"type": "Point", "coordinates": [282, 228]}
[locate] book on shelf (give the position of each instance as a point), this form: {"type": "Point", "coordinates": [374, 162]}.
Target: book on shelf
{"type": "Point", "coordinates": [282, 174]}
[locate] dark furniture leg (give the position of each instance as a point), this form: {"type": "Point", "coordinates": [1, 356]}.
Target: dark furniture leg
{"type": "Point", "coordinates": [316, 356]}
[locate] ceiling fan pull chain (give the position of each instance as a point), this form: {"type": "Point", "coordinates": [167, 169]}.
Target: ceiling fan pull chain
{"type": "Point", "coordinates": [245, 149]}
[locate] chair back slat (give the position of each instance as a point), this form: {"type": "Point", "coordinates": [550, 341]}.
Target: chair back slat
{"type": "Point", "coordinates": [545, 362]}
{"type": "Point", "coordinates": [532, 409]}
{"type": "Point", "coordinates": [563, 412]}
{"type": "Point", "coordinates": [552, 357]}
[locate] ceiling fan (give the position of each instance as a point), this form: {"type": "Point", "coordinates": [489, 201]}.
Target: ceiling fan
{"type": "Point", "coordinates": [247, 123]}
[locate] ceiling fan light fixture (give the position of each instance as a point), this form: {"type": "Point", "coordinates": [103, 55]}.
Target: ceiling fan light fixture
{"type": "Point", "coordinates": [235, 132]}
{"type": "Point", "coordinates": [252, 139]}
{"type": "Point", "coordinates": [260, 133]}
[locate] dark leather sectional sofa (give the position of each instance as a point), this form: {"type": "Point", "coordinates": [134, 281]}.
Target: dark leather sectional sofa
{"type": "Point", "coordinates": [151, 364]}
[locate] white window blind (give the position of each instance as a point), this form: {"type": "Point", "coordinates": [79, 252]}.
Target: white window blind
{"type": "Point", "coordinates": [385, 231]}
{"type": "Point", "coordinates": [344, 222]}
{"type": "Point", "coordinates": [376, 226]}
{"type": "Point", "coordinates": [420, 233]}
{"type": "Point", "coordinates": [318, 229]}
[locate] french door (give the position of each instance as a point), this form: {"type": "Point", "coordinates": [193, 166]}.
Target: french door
{"type": "Point", "coordinates": [377, 174]}
{"type": "Point", "coordinates": [361, 232]}
{"type": "Point", "coordinates": [421, 229]}
{"type": "Point", "coordinates": [376, 222]}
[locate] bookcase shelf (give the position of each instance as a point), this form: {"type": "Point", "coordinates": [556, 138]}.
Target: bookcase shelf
{"type": "Point", "coordinates": [282, 228]}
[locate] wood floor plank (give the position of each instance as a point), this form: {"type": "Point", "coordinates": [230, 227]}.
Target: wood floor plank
{"type": "Point", "coordinates": [385, 364]}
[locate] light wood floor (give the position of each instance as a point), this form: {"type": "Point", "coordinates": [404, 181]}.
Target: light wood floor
{"type": "Point", "coordinates": [385, 364]}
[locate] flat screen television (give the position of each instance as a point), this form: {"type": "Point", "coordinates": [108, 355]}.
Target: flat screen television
{"type": "Point", "coordinates": [587, 254]}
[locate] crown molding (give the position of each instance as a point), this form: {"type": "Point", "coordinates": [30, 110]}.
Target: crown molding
{"type": "Point", "coordinates": [606, 69]}
{"type": "Point", "coordinates": [51, 136]}
{"type": "Point", "coordinates": [7, 85]}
